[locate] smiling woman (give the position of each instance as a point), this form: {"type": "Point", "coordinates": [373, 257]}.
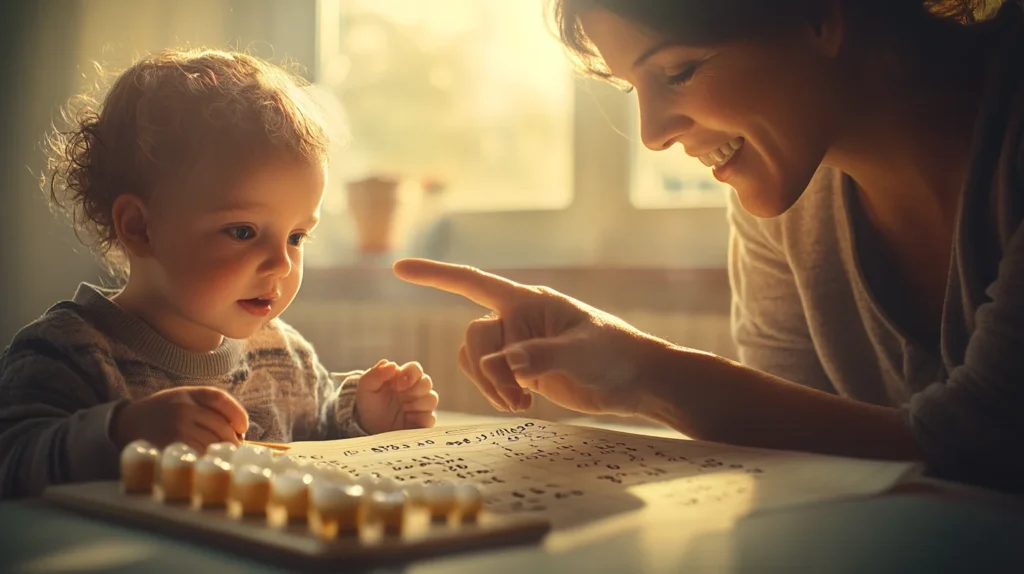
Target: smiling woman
{"type": "Point", "coordinates": [748, 82]}
{"type": "Point", "coordinates": [877, 251]}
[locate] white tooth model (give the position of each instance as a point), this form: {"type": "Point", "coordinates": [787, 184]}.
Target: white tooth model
{"type": "Point", "coordinates": [140, 462]}
{"type": "Point", "coordinates": [250, 489]}
{"type": "Point", "coordinates": [336, 508]}
{"type": "Point", "coordinates": [212, 481]}
{"type": "Point", "coordinates": [176, 469]}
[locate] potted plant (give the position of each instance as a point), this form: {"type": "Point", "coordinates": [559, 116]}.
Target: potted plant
{"type": "Point", "coordinates": [373, 202]}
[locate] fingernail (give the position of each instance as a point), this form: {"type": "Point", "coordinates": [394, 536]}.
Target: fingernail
{"type": "Point", "coordinates": [516, 358]}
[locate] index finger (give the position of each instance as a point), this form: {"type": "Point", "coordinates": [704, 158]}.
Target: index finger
{"type": "Point", "coordinates": [480, 287]}
{"type": "Point", "coordinates": [225, 405]}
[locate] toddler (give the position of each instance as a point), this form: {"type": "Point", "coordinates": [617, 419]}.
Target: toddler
{"type": "Point", "coordinates": [199, 178]}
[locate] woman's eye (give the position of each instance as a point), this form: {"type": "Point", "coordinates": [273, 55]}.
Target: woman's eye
{"type": "Point", "coordinates": [297, 238]}
{"type": "Point", "coordinates": [683, 76]}
{"type": "Point", "coordinates": [242, 232]}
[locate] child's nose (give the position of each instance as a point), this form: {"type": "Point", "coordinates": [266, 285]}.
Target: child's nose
{"type": "Point", "coordinates": [277, 263]}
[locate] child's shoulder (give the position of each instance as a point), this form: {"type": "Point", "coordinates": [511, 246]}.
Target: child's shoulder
{"type": "Point", "coordinates": [64, 324]}
{"type": "Point", "coordinates": [64, 329]}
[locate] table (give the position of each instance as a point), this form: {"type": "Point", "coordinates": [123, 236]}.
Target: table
{"type": "Point", "coordinates": [905, 533]}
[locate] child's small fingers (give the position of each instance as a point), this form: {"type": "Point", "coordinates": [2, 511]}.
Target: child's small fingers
{"type": "Point", "coordinates": [375, 377]}
{"type": "Point", "coordinates": [199, 437]}
{"type": "Point", "coordinates": [423, 403]}
{"type": "Point", "coordinates": [221, 402]}
{"type": "Point", "coordinates": [415, 388]}
{"type": "Point", "coordinates": [384, 365]}
{"type": "Point", "coordinates": [411, 372]}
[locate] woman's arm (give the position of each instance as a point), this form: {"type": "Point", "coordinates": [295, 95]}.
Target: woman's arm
{"type": "Point", "coordinates": [764, 404]}
{"type": "Point", "coordinates": [586, 360]}
{"type": "Point", "coordinates": [969, 427]}
{"type": "Point", "coordinates": [711, 398]}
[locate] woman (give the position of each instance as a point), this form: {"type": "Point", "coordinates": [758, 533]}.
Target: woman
{"type": "Point", "coordinates": [877, 259]}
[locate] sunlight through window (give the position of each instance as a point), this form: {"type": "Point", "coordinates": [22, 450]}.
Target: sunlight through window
{"type": "Point", "coordinates": [473, 95]}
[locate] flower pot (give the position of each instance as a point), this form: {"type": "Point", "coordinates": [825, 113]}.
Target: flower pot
{"type": "Point", "coordinates": [373, 203]}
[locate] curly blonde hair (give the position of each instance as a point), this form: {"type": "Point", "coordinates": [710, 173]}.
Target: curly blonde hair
{"type": "Point", "coordinates": [177, 117]}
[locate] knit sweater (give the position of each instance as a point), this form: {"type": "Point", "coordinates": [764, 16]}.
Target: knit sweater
{"type": "Point", "coordinates": [64, 375]}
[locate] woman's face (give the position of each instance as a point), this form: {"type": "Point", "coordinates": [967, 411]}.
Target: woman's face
{"type": "Point", "coordinates": [760, 115]}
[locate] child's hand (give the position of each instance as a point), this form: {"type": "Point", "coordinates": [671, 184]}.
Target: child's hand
{"type": "Point", "coordinates": [390, 397]}
{"type": "Point", "coordinates": [196, 416]}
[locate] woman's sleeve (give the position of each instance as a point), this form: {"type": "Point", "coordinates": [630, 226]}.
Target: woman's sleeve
{"type": "Point", "coordinates": [970, 427]}
{"type": "Point", "coordinates": [768, 322]}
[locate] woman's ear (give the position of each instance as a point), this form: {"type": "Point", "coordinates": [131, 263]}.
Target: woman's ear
{"type": "Point", "coordinates": [131, 224]}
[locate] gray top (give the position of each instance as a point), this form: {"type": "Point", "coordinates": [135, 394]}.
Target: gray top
{"type": "Point", "coordinates": [803, 310]}
{"type": "Point", "coordinates": [64, 375]}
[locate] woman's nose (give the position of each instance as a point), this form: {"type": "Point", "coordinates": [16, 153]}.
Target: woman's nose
{"type": "Point", "coordinates": [661, 125]}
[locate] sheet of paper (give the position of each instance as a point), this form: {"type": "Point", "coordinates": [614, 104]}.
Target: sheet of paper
{"type": "Point", "coordinates": [578, 476]}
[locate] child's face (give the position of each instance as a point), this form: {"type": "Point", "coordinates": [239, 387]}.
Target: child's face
{"type": "Point", "coordinates": [230, 259]}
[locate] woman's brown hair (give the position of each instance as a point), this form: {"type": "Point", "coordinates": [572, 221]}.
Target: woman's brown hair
{"type": "Point", "coordinates": [706, 22]}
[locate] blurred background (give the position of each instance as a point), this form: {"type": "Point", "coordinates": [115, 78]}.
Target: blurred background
{"type": "Point", "coordinates": [469, 140]}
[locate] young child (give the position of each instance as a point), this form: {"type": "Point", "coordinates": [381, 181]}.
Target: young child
{"type": "Point", "coordinates": [200, 177]}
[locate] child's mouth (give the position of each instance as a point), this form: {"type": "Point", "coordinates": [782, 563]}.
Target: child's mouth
{"type": "Point", "coordinates": [258, 307]}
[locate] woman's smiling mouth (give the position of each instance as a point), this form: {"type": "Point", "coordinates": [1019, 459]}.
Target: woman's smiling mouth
{"type": "Point", "coordinates": [721, 156]}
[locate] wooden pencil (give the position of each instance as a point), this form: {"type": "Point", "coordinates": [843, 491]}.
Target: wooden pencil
{"type": "Point", "coordinates": [270, 445]}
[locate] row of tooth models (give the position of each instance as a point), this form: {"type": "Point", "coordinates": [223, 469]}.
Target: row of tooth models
{"type": "Point", "coordinates": [251, 480]}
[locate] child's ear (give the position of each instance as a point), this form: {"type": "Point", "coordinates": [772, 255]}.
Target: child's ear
{"type": "Point", "coordinates": [131, 224]}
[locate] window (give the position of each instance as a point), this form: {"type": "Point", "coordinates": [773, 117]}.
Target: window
{"type": "Point", "coordinates": [480, 96]}
{"type": "Point", "coordinates": [670, 178]}
{"type": "Point", "coordinates": [475, 95]}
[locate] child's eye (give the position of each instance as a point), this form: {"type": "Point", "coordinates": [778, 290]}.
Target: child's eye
{"type": "Point", "coordinates": [297, 238]}
{"type": "Point", "coordinates": [242, 232]}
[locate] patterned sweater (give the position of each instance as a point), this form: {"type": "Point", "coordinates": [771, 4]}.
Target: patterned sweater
{"type": "Point", "coordinates": [64, 375]}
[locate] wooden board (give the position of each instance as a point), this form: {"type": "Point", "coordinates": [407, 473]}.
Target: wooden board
{"type": "Point", "coordinates": [293, 546]}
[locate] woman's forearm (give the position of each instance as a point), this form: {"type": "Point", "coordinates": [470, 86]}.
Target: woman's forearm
{"type": "Point", "coordinates": [711, 398]}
